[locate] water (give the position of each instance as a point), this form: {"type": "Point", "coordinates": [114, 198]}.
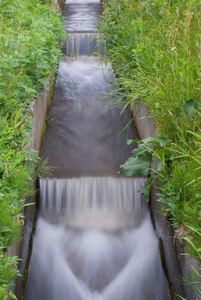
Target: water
{"type": "Point", "coordinates": [94, 238]}
{"type": "Point", "coordinates": [106, 203]}
{"type": "Point", "coordinates": [93, 264]}
{"type": "Point", "coordinates": [81, 43]}
{"type": "Point", "coordinates": [84, 136]}
{"type": "Point", "coordinates": [82, 15]}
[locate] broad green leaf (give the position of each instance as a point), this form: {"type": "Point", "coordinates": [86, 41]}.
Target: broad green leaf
{"type": "Point", "coordinates": [140, 150]}
{"type": "Point", "coordinates": [129, 142]}
{"type": "Point", "coordinates": [137, 166]}
{"type": "Point", "coordinates": [12, 295]}
{"type": "Point", "coordinates": [146, 190]}
{"type": "Point", "coordinates": [5, 228]}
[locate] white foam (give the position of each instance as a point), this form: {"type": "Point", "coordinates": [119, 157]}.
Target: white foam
{"type": "Point", "coordinates": [92, 264]}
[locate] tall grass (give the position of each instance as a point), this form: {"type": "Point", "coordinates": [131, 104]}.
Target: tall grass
{"type": "Point", "coordinates": [155, 48]}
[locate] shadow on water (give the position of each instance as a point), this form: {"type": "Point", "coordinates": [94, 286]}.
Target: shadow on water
{"type": "Point", "coordinates": [94, 238]}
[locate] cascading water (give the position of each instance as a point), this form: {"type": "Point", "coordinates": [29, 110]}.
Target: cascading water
{"type": "Point", "coordinates": [94, 238]}
{"type": "Point", "coordinates": [102, 202]}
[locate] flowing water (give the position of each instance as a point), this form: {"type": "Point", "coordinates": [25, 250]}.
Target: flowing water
{"type": "Point", "coordinates": [94, 238]}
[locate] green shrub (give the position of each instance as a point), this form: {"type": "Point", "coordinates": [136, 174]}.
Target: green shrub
{"type": "Point", "coordinates": [31, 35]}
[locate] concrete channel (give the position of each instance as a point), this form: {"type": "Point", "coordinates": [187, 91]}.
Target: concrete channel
{"type": "Point", "coordinates": [174, 260]}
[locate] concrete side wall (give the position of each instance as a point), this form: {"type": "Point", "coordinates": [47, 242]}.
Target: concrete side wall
{"type": "Point", "coordinates": [39, 109]}
{"type": "Point", "coordinates": [39, 112]}
{"type": "Point", "coordinates": [144, 125]}
{"type": "Point", "coordinates": [174, 259]}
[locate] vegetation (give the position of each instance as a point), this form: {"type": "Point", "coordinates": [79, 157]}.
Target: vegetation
{"type": "Point", "coordinates": [31, 33]}
{"type": "Point", "coordinates": [194, 281]}
{"type": "Point", "coordinates": [155, 48]}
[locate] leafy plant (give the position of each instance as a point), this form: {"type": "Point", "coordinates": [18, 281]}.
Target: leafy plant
{"type": "Point", "coordinates": [8, 271]}
{"type": "Point", "coordinates": [31, 36]}
{"type": "Point", "coordinates": [151, 157]}
{"type": "Point", "coordinates": [154, 47]}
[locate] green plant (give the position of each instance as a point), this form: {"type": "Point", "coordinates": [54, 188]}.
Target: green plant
{"type": "Point", "coordinates": [31, 36]}
{"type": "Point", "coordinates": [8, 271]}
{"type": "Point", "coordinates": [194, 281]}
{"type": "Point", "coordinates": [178, 171]}
{"type": "Point", "coordinates": [154, 47]}
{"type": "Point", "coordinates": [152, 157]}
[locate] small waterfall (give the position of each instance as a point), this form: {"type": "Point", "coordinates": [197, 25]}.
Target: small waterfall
{"type": "Point", "coordinates": [94, 239]}
{"type": "Point", "coordinates": [101, 202]}
{"type": "Point", "coordinates": [82, 15]}
{"type": "Point", "coordinates": [81, 43]}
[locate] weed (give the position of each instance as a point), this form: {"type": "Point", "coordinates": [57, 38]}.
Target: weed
{"type": "Point", "coordinates": [31, 35]}
{"type": "Point", "coordinates": [155, 48]}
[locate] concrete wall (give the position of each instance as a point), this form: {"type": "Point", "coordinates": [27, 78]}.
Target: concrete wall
{"type": "Point", "coordinates": [39, 109]}
{"type": "Point", "coordinates": [39, 112]}
{"type": "Point", "coordinates": [175, 261]}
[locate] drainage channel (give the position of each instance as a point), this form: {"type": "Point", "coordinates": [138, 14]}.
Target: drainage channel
{"type": "Point", "coordinates": [94, 238]}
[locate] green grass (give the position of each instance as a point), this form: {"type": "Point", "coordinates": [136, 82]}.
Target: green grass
{"type": "Point", "coordinates": [155, 48]}
{"type": "Point", "coordinates": [31, 35]}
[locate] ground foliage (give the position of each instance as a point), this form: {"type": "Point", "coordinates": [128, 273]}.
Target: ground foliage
{"type": "Point", "coordinates": [31, 33]}
{"type": "Point", "coordinates": [155, 48]}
